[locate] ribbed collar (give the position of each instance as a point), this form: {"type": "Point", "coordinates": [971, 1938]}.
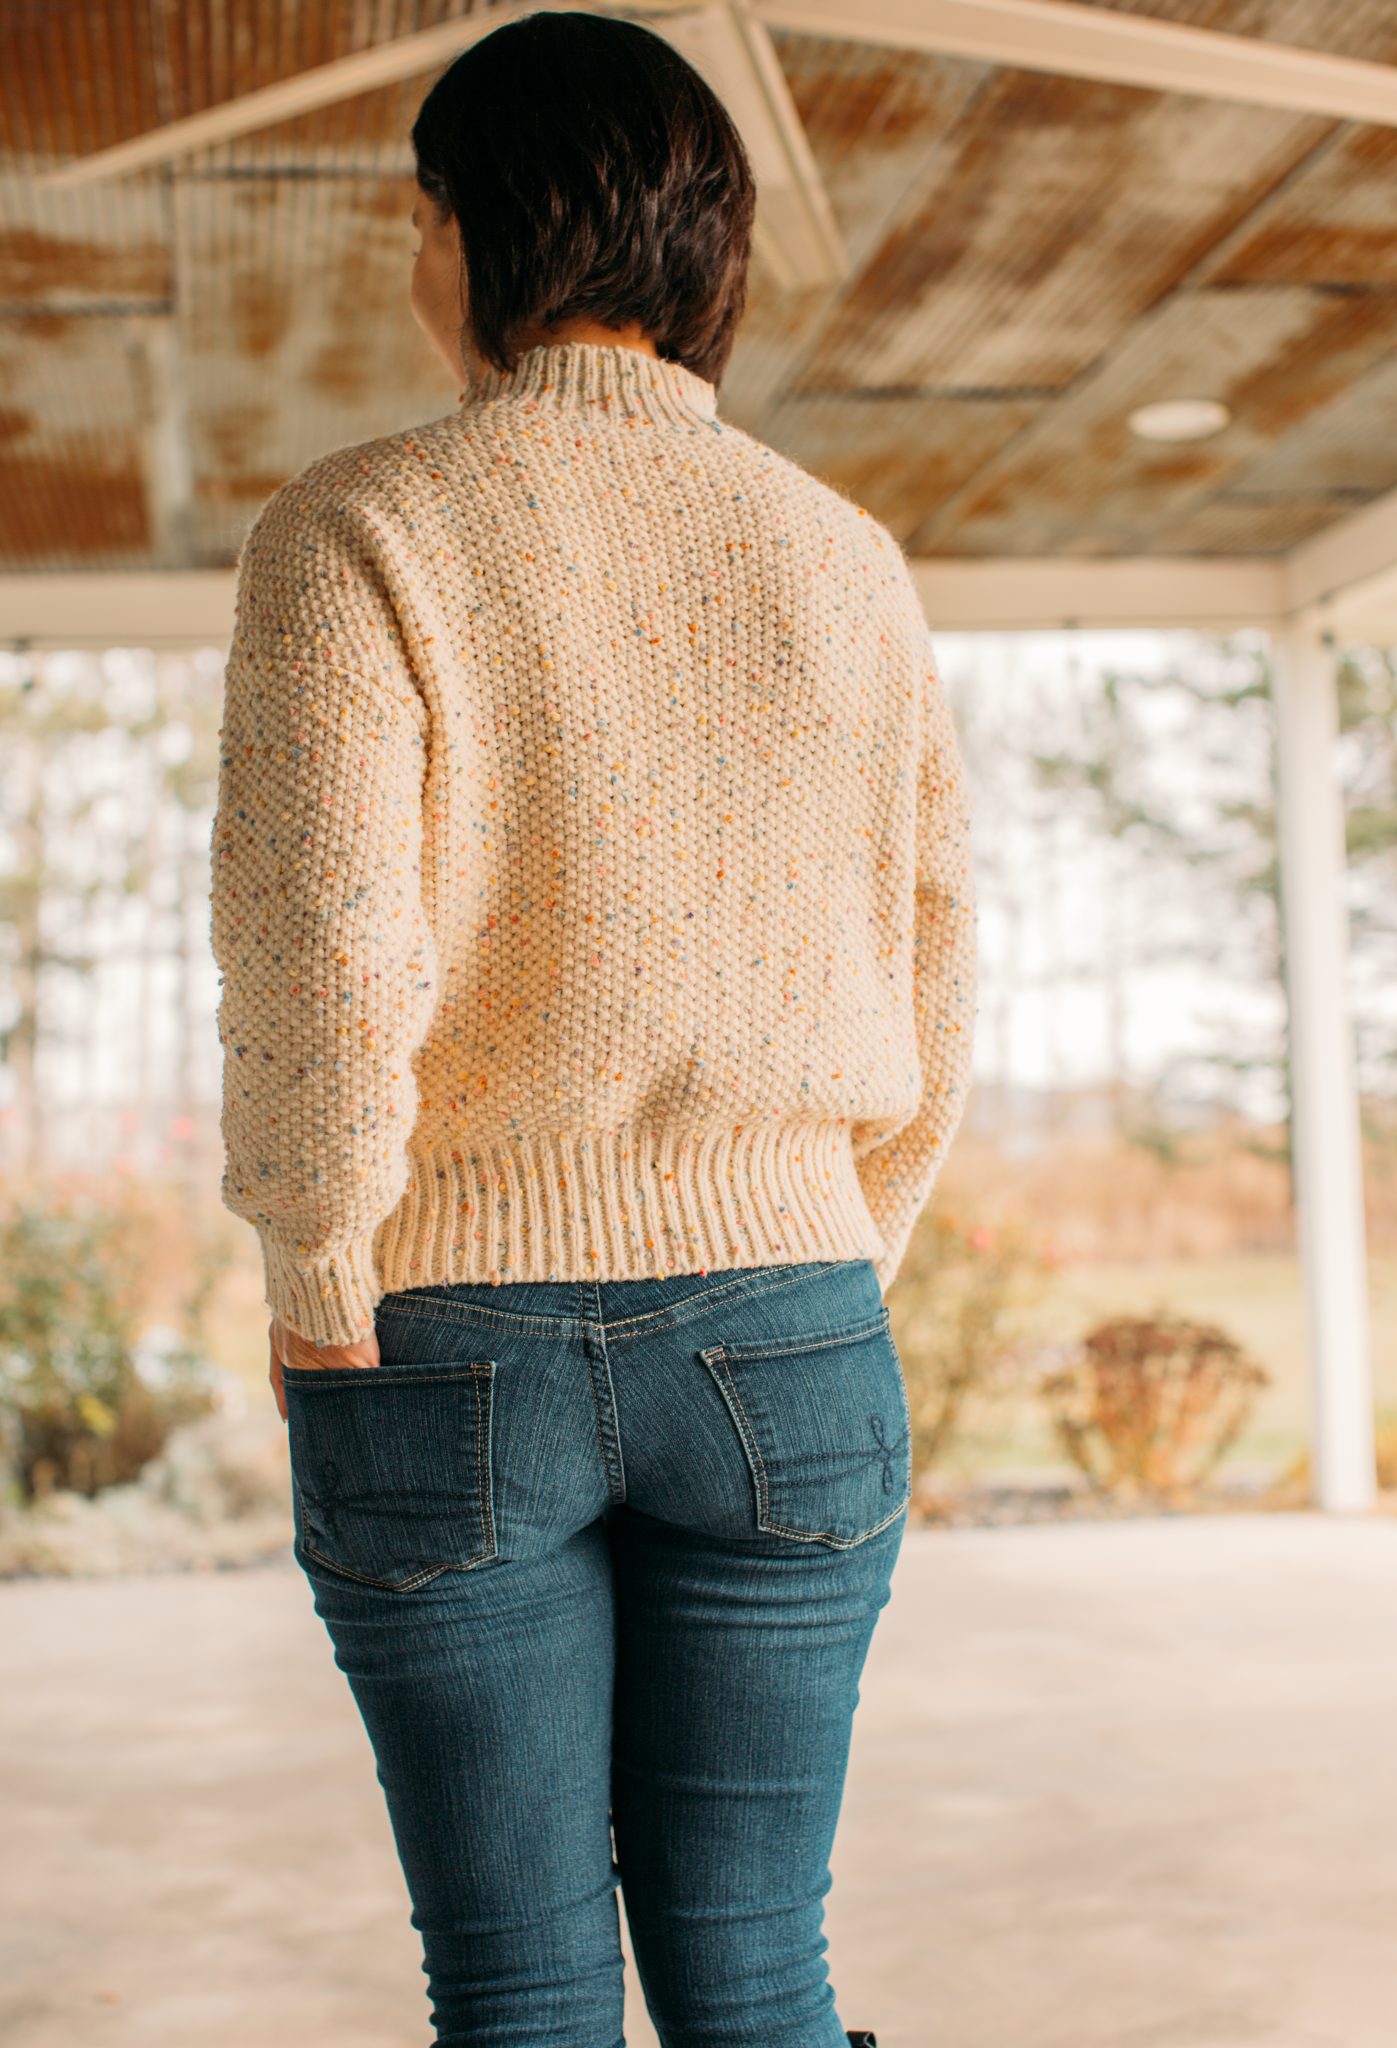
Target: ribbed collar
{"type": "Point", "coordinates": [579, 375]}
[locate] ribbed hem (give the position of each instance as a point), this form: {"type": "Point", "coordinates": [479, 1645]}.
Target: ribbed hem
{"type": "Point", "coordinates": [330, 1299]}
{"type": "Point", "coordinates": [607, 376]}
{"type": "Point", "coordinates": [628, 1204]}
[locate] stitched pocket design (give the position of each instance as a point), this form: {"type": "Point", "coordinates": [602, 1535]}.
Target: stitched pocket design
{"type": "Point", "coordinates": [825, 1426]}
{"type": "Point", "coordinates": [391, 1469]}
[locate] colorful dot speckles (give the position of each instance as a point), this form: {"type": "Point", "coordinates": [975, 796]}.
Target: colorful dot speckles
{"type": "Point", "coordinates": [592, 885]}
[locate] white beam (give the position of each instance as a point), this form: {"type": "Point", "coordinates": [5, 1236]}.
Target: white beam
{"type": "Point", "coordinates": [1351, 567]}
{"type": "Point", "coordinates": [123, 608]}
{"type": "Point", "coordinates": [185, 607]}
{"type": "Point", "coordinates": [1366, 615]}
{"type": "Point", "coordinates": [967, 594]}
{"type": "Point", "coordinates": [1325, 1125]}
{"type": "Point", "coordinates": [1098, 42]}
{"type": "Point", "coordinates": [1007, 594]}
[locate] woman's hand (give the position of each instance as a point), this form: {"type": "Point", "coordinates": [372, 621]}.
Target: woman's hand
{"type": "Point", "coordinates": [289, 1347]}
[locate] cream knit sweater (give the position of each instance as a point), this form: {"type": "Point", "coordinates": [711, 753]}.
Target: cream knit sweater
{"type": "Point", "coordinates": [591, 871]}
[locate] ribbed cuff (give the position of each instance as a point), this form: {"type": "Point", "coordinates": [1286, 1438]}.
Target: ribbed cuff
{"type": "Point", "coordinates": [331, 1299]}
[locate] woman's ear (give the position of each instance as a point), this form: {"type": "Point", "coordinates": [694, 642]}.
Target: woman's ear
{"type": "Point", "coordinates": [437, 291]}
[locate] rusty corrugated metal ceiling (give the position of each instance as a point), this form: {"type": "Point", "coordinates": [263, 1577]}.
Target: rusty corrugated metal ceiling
{"type": "Point", "coordinates": [1033, 256]}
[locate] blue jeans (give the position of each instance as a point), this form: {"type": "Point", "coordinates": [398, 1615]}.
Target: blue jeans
{"type": "Point", "coordinates": [601, 1562]}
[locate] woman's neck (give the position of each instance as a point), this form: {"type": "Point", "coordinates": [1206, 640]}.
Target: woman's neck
{"type": "Point", "coordinates": [632, 335]}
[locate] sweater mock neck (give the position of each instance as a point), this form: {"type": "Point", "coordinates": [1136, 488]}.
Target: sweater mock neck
{"type": "Point", "coordinates": [607, 377]}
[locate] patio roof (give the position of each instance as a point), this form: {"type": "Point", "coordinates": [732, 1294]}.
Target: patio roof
{"type": "Point", "coordinates": [1015, 258]}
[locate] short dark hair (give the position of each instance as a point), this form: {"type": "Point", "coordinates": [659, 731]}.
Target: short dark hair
{"type": "Point", "coordinates": [593, 172]}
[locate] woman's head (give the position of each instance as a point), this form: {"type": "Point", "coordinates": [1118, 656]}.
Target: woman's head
{"type": "Point", "coordinates": [575, 168]}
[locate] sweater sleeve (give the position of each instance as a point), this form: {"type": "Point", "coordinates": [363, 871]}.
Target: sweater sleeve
{"type": "Point", "coordinates": [897, 1174]}
{"type": "Point", "coordinates": [327, 959]}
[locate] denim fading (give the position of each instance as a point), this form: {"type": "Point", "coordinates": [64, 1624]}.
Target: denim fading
{"type": "Point", "coordinates": [601, 1562]}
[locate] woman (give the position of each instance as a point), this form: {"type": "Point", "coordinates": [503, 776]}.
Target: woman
{"type": "Point", "coordinates": [593, 900]}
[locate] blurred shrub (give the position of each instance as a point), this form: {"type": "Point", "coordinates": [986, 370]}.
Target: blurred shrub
{"type": "Point", "coordinates": [1151, 1404]}
{"type": "Point", "coordinates": [957, 1309]}
{"type": "Point", "coordinates": [85, 1403]}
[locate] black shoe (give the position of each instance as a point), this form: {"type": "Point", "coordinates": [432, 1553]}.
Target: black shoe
{"type": "Point", "coordinates": [861, 2038]}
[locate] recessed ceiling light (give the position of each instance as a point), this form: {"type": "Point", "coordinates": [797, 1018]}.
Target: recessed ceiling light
{"type": "Point", "coordinates": [1179, 419]}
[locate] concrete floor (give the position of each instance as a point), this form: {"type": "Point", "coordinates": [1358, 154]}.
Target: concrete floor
{"type": "Point", "coordinates": [1130, 1784]}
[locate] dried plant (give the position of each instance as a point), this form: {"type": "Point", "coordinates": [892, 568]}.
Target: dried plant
{"type": "Point", "coordinates": [1152, 1404]}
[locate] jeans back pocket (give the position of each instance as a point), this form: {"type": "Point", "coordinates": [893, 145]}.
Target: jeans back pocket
{"type": "Point", "coordinates": [391, 1469]}
{"type": "Point", "coordinates": [824, 1423]}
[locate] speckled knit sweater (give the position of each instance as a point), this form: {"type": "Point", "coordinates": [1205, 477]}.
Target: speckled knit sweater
{"type": "Point", "coordinates": [591, 870]}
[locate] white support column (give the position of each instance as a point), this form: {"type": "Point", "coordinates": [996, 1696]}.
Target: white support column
{"type": "Point", "coordinates": [1329, 1177]}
